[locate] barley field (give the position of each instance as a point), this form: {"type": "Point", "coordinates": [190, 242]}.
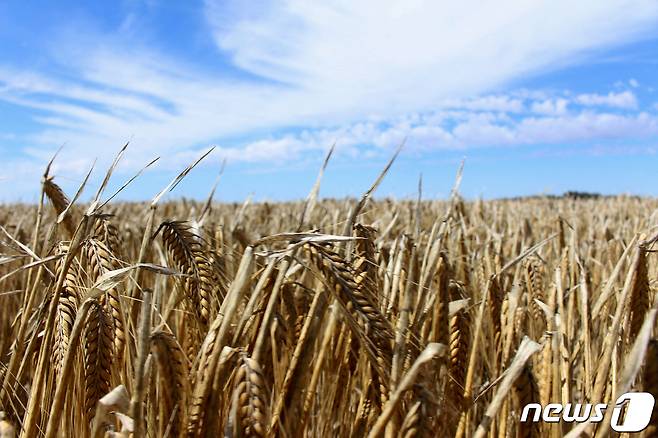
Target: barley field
{"type": "Point", "coordinates": [322, 318]}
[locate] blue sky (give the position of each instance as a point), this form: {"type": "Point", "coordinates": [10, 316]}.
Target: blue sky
{"type": "Point", "coordinates": [538, 97]}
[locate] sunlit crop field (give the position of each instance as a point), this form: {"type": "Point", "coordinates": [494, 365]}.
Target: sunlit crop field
{"type": "Point", "coordinates": [322, 317]}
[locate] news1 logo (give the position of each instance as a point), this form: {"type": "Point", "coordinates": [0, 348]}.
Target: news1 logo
{"type": "Point", "coordinates": [631, 412]}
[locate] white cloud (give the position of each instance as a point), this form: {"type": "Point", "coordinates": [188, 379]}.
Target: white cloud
{"type": "Point", "coordinates": [411, 53]}
{"type": "Point", "coordinates": [472, 130]}
{"type": "Point", "coordinates": [586, 126]}
{"type": "Point", "coordinates": [623, 100]}
{"type": "Point", "coordinates": [556, 106]}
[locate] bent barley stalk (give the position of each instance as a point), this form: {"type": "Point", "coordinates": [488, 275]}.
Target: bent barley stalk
{"type": "Point", "coordinates": [323, 317]}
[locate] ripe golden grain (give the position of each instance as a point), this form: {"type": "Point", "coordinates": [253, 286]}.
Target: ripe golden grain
{"type": "Point", "coordinates": [395, 318]}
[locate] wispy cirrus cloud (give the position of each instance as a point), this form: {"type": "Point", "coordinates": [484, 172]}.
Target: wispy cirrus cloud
{"type": "Point", "coordinates": [384, 50]}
